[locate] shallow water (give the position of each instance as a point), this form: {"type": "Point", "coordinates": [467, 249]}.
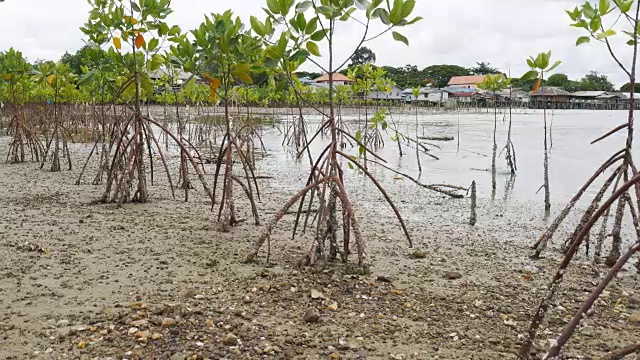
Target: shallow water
{"type": "Point", "coordinates": [572, 159]}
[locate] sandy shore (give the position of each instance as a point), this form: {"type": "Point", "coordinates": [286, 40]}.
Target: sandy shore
{"type": "Point", "coordinates": [82, 280]}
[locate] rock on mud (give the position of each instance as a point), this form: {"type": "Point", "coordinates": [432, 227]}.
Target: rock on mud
{"type": "Point", "coordinates": [311, 316]}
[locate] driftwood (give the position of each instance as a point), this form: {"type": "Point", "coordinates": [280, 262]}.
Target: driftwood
{"type": "Point", "coordinates": [437, 138]}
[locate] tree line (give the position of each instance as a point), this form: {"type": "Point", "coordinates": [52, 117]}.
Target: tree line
{"type": "Point", "coordinates": [438, 76]}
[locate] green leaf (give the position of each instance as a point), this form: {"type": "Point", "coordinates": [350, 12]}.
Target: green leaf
{"type": "Point", "coordinates": [529, 75]}
{"type": "Point", "coordinates": [299, 56]}
{"type": "Point", "coordinates": [396, 12]}
{"type": "Point", "coordinates": [358, 135]}
{"type": "Point", "coordinates": [399, 37]}
{"type": "Point", "coordinates": [407, 8]}
{"type": "Point", "coordinates": [350, 165]}
{"type": "Point", "coordinates": [174, 31]}
{"type": "Point", "coordinates": [631, 42]}
{"type": "Point", "coordinates": [582, 40]}
{"type": "Point", "coordinates": [318, 35]}
{"type": "Point", "coordinates": [604, 6]}
{"type": "Point", "coordinates": [241, 72]}
{"type": "Point", "coordinates": [153, 44]}
{"type": "Point", "coordinates": [274, 6]}
{"type": "Point", "coordinates": [588, 10]}
{"type": "Point", "coordinates": [531, 63]}
{"type": "Point", "coordinates": [327, 11]}
{"type": "Point", "coordinates": [625, 6]}
{"type": "Point", "coordinates": [362, 4]}
{"type": "Point", "coordinates": [382, 14]}
{"type": "Point", "coordinates": [257, 26]}
{"type": "Point", "coordinates": [135, 7]}
{"type": "Point", "coordinates": [555, 65]}
{"type": "Point", "coordinates": [303, 6]}
{"type": "Point", "coordinates": [313, 48]}
{"type": "Point", "coordinates": [572, 14]}
{"type": "Point", "coordinates": [361, 149]}
{"type": "Point", "coordinates": [312, 25]}
{"type": "Point", "coordinates": [347, 14]}
{"type": "Point", "coordinates": [605, 34]}
{"type": "Point", "coordinates": [595, 23]}
{"type": "Point", "coordinates": [258, 68]}
{"type": "Point", "coordinates": [374, 5]}
{"type": "Point", "coordinates": [415, 20]}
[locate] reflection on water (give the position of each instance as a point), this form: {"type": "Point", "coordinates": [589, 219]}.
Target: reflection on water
{"type": "Point", "coordinates": [572, 158]}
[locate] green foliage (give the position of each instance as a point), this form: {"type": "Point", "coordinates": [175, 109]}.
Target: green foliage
{"type": "Point", "coordinates": [439, 75]}
{"type": "Point", "coordinates": [141, 27]}
{"type": "Point", "coordinates": [539, 66]}
{"type": "Point", "coordinates": [362, 56]}
{"type": "Point", "coordinates": [595, 81]}
{"type": "Point", "coordinates": [223, 52]}
{"type": "Point", "coordinates": [494, 83]}
{"type": "Point", "coordinates": [483, 68]}
{"type": "Point", "coordinates": [561, 81]}
{"type": "Point", "coordinates": [590, 17]}
{"type": "Point", "coordinates": [627, 87]}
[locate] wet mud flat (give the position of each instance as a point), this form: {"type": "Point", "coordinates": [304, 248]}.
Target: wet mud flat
{"type": "Point", "coordinates": [83, 280]}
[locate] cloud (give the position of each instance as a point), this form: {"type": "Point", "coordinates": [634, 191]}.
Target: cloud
{"type": "Point", "coordinates": [459, 32]}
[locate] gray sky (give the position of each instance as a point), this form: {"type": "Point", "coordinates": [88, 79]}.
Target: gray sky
{"type": "Point", "coordinates": [502, 32]}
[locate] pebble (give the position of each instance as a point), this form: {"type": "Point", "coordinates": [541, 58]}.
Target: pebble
{"type": "Point", "coordinates": [453, 275]}
{"type": "Point", "coordinates": [63, 323]}
{"type": "Point", "coordinates": [139, 323]}
{"type": "Point", "coordinates": [635, 318]}
{"type": "Point", "coordinates": [178, 356]}
{"type": "Point", "coordinates": [230, 340]}
{"type": "Point", "coordinates": [315, 294]}
{"type": "Point", "coordinates": [188, 293]}
{"type": "Point", "coordinates": [311, 316]}
{"type": "Point", "coordinates": [168, 322]}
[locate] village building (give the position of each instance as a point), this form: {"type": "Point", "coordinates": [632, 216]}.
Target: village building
{"type": "Point", "coordinates": [338, 79]}
{"type": "Point", "coordinates": [392, 93]}
{"type": "Point", "coordinates": [553, 96]}
{"type": "Point", "coordinates": [429, 95]}
{"type": "Point", "coordinates": [466, 82]}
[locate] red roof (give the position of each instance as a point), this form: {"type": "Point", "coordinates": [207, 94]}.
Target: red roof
{"type": "Point", "coordinates": [467, 80]}
{"type": "Point", "coordinates": [336, 77]}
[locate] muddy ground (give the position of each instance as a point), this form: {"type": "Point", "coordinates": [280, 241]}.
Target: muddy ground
{"type": "Point", "coordinates": [83, 280]}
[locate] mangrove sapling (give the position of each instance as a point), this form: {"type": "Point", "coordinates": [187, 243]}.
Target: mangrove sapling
{"type": "Point", "coordinates": [225, 53]}
{"type": "Point", "coordinates": [14, 75]}
{"type": "Point", "coordinates": [54, 76]}
{"type": "Point", "coordinates": [416, 93]}
{"type": "Point", "coordinates": [540, 65]}
{"type": "Point", "coordinates": [590, 18]}
{"type": "Point", "coordinates": [510, 154]}
{"type": "Point", "coordinates": [493, 84]}
{"type": "Point", "coordinates": [326, 177]}
{"type": "Point", "coordinates": [125, 22]}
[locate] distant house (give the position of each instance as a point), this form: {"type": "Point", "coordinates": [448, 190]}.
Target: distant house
{"type": "Point", "coordinates": [338, 79]}
{"type": "Point", "coordinates": [466, 82]}
{"type": "Point", "coordinates": [394, 93]}
{"type": "Point", "coordinates": [551, 93]}
{"type": "Point", "coordinates": [461, 94]}
{"type": "Point", "coordinates": [426, 94]}
{"type": "Point", "coordinates": [599, 97]}
{"type": "Point", "coordinates": [179, 78]}
{"type": "Point", "coordinates": [516, 95]}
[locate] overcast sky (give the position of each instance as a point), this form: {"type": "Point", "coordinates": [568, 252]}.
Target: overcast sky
{"type": "Point", "coordinates": [502, 32]}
